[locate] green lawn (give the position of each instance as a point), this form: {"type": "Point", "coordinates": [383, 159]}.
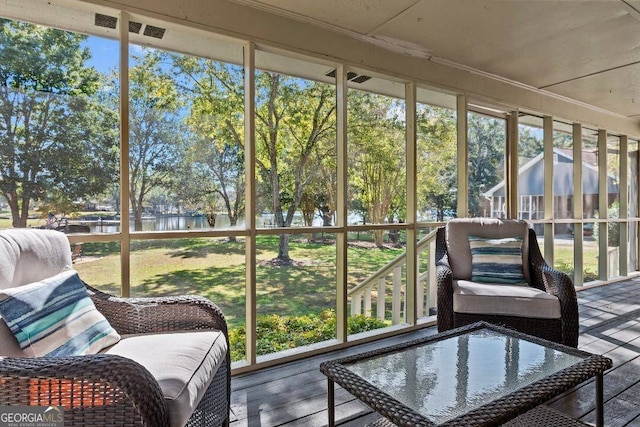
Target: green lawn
{"type": "Point", "coordinates": [215, 268]}
{"type": "Point", "coordinates": [564, 260]}
{"type": "Point", "coordinates": [294, 302]}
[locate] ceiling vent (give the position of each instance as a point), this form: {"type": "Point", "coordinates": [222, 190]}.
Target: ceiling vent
{"type": "Point", "coordinates": [361, 79]}
{"type": "Point", "coordinates": [331, 73]}
{"type": "Point", "coordinates": [152, 31]}
{"type": "Point", "coordinates": [134, 27]}
{"type": "Point", "coordinates": [351, 76]}
{"type": "Point", "coordinates": [105, 21]}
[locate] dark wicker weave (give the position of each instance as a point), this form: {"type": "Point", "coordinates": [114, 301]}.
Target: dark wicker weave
{"type": "Point", "coordinates": [543, 277]}
{"type": "Point", "coordinates": [109, 390]}
{"type": "Point", "coordinates": [545, 416]}
{"type": "Point", "coordinates": [493, 413]}
{"type": "Point", "coordinates": [540, 416]}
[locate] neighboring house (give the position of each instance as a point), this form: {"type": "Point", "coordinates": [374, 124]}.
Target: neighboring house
{"type": "Point", "coordinates": [531, 188]}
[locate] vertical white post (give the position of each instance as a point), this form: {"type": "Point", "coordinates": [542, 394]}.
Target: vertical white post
{"type": "Point", "coordinates": [549, 154]}
{"type": "Point", "coordinates": [341, 203]}
{"type": "Point", "coordinates": [603, 206]}
{"type": "Point", "coordinates": [420, 298]}
{"type": "Point", "coordinates": [382, 284]}
{"type": "Point", "coordinates": [578, 206]}
{"type": "Point", "coordinates": [433, 280]}
{"type": "Point", "coordinates": [396, 296]}
{"type": "Point", "coordinates": [125, 234]}
{"type": "Point", "coordinates": [511, 164]}
{"type": "Point", "coordinates": [410, 311]}
{"type": "Point", "coordinates": [250, 205]}
{"type": "Point", "coordinates": [623, 186]}
{"type": "Point", "coordinates": [463, 157]}
{"type": "Point", "coordinates": [367, 301]}
{"type": "Point", "coordinates": [356, 304]}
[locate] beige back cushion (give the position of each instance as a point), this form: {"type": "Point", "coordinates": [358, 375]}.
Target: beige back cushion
{"type": "Point", "coordinates": [27, 256]}
{"type": "Point", "coordinates": [458, 231]}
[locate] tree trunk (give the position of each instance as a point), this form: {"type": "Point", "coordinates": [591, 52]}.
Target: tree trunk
{"type": "Point", "coordinates": [137, 220]}
{"type": "Point", "coordinates": [327, 217]}
{"type": "Point", "coordinates": [17, 220]}
{"type": "Point", "coordinates": [233, 221]}
{"type": "Point", "coordinates": [283, 248]}
{"type": "Point", "coordinates": [378, 238]}
{"type": "Point", "coordinates": [211, 219]}
{"type": "Point", "coordinates": [136, 208]}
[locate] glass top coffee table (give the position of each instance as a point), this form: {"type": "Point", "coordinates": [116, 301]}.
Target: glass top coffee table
{"type": "Point", "coordinates": [479, 374]}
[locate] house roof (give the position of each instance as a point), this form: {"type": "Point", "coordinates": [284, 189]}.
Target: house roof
{"type": "Point", "coordinates": [531, 176]}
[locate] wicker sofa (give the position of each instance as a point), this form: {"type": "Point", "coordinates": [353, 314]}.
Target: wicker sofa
{"type": "Point", "coordinates": [170, 367]}
{"type": "Point", "coordinates": [546, 306]}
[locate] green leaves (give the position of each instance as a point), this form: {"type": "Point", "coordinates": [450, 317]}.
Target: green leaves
{"type": "Point", "coordinates": [43, 59]}
{"type": "Point", "coordinates": [377, 165]}
{"type": "Point", "coordinates": [277, 333]}
{"type": "Point", "coordinates": [56, 138]}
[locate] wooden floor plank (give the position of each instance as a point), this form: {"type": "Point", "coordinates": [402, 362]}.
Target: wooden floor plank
{"type": "Point", "coordinates": [294, 394]}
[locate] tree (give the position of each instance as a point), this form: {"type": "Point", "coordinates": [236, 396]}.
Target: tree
{"type": "Point", "coordinates": [437, 159]}
{"type": "Point", "coordinates": [319, 196]}
{"type": "Point", "coordinates": [530, 144]}
{"type": "Point", "coordinates": [155, 127]}
{"type": "Point", "coordinates": [219, 173]}
{"type": "Point", "coordinates": [216, 118]}
{"type": "Point", "coordinates": [54, 135]}
{"type": "Point", "coordinates": [377, 170]}
{"type": "Point", "coordinates": [295, 130]}
{"type": "Point", "coordinates": [487, 138]}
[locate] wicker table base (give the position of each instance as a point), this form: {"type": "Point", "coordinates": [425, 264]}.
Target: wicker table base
{"type": "Point", "coordinates": [537, 417]}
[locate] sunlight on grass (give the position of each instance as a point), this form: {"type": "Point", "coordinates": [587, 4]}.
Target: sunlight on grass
{"type": "Point", "coordinates": [215, 268]}
{"type": "Point", "coordinates": [563, 255]}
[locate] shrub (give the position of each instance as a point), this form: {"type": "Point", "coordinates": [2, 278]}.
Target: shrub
{"type": "Point", "coordinates": [613, 228]}
{"type": "Point", "coordinates": [277, 333]}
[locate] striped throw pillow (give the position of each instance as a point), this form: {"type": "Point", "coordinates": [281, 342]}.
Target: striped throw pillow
{"type": "Point", "coordinates": [496, 260]}
{"type": "Point", "coordinates": [56, 317]}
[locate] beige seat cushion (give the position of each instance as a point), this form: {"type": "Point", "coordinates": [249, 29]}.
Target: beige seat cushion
{"type": "Point", "coordinates": [504, 300]}
{"type": "Point", "coordinates": [183, 363]}
{"type": "Point", "coordinates": [458, 231]}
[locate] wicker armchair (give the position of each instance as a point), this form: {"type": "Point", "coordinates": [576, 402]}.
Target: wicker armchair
{"type": "Point", "coordinates": [510, 307]}
{"type": "Point", "coordinates": [108, 388]}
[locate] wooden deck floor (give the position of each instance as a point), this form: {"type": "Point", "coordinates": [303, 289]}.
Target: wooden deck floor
{"type": "Point", "coordinates": [295, 394]}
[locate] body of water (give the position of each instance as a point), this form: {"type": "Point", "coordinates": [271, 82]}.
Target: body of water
{"type": "Point", "coordinates": [160, 223]}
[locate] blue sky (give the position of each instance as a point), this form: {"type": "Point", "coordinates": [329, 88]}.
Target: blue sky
{"type": "Point", "coordinates": [104, 53]}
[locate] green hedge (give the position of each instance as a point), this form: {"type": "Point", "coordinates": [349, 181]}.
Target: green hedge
{"type": "Point", "coordinates": [277, 333]}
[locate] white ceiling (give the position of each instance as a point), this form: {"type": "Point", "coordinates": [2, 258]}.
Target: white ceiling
{"type": "Point", "coordinates": [587, 50]}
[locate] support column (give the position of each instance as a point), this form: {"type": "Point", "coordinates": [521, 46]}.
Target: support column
{"type": "Point", "coordinates": [411, 309]}
{"type": "Point", "coordinates": [511, 165]}
{"type": "Point", "coordinates": [578, 206]}
{"type": "Point", "coordinates": [463, 157]}
{"type": "Point", "coordinates": [250, 204]}
{"type": "Point", "coordinates": [549, 207]}
{"type": "Point", "coordinates": [603, 206]}
{"type": "Point", "coordinates": [125, 235]}
{"type": "Point", "coordinates": [341, 205]}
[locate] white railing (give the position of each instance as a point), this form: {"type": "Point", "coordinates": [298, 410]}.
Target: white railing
{"type": "Point", "coordinates": [377, 286]}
